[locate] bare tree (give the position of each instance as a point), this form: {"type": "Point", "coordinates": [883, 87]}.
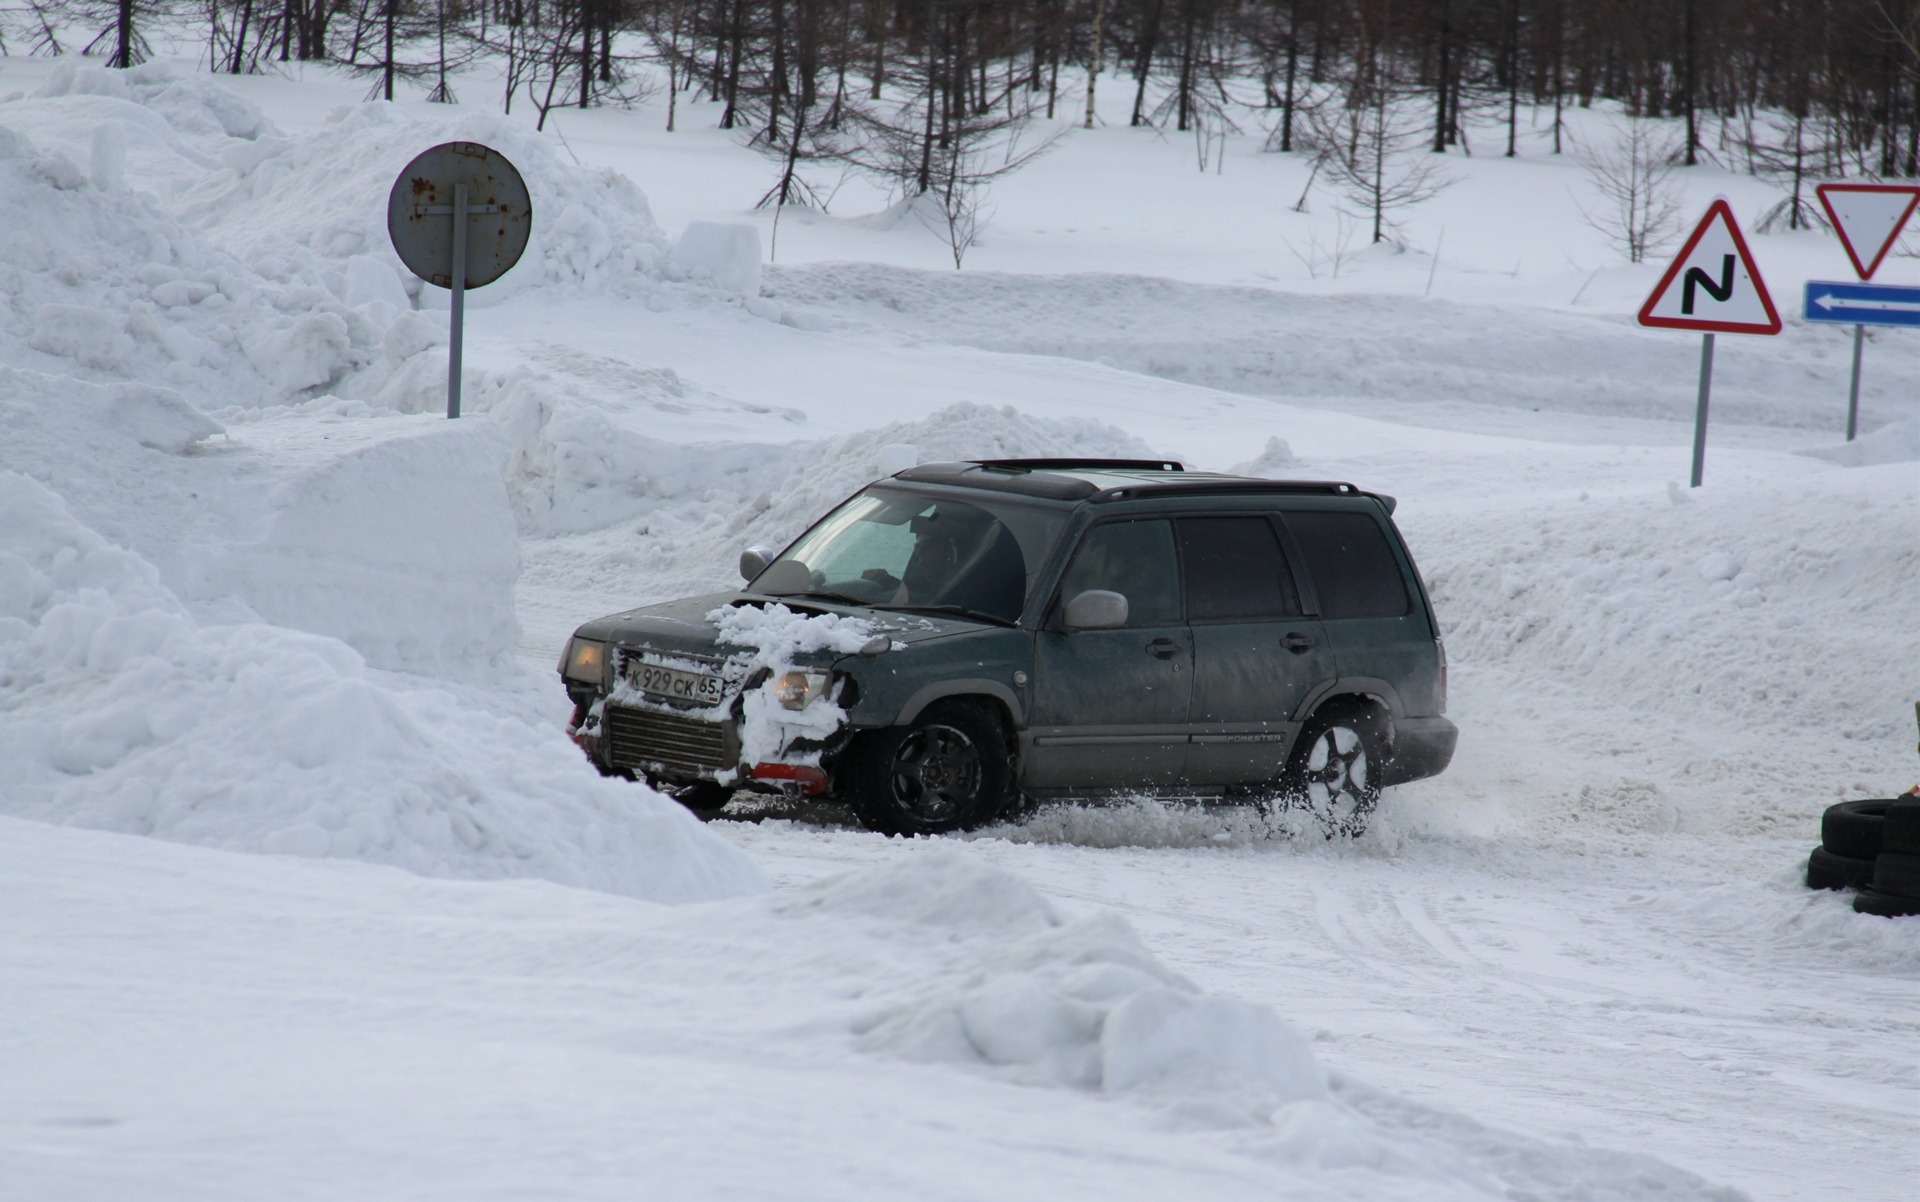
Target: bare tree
{"type": "Point", "coordinates": [1790, 149]}
{"type": "Point", "coordinates": [1638, 209]}
{"type": "Point", "coordinates": [121, 23]}
{"type": "Point", "coordinates": [385, 29]}
{"type": "Point", "coordinates": [942, 154]}
{"type": "Point", "coordinates": [1372, 149]}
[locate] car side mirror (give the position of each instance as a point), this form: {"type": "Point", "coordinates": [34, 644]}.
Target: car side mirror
{"type": "Point", "coordinates": [753, 561]}
{"type": "Point", "coordinates": [1096, 609]}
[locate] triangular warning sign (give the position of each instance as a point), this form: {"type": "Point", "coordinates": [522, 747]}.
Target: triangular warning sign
{"type": "Point", "coordinates": [1868, 218]}
{"type": "Point", "coordinates": [1713, 286]}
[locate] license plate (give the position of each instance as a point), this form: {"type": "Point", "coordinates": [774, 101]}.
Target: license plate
{"type": "Point", "coordinates": [677, 684]}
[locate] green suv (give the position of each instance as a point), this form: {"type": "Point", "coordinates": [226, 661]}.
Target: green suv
{"type": "Point", "coordinates": [960, 637]}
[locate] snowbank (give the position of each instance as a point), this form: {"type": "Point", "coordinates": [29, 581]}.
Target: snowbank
{"type": "Point", "coordinates": [391, 533]}
{"type": "Point", "coordinates": [396, 539]}
{"type": "Point", "coordinates": [1896, 442]}
{"type": "Point", "coordinates": [102, 283]}
{"type": "Point", "coordinates": [1373, 353]}
{"type": "Point", "coordinates": [164, 231]}
{"type": "Point", "coordinates": [124, 713]}
{"type": "Point", "coordinates": [1727, 653]}
{"type": "Point", "coordinates": [321, 199]}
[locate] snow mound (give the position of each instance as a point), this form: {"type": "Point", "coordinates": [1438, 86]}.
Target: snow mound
{"type": "Point", "coordinates": [397, 539]}
{"type": "Point", "coordinates": [1665, 624]}
{"type": "Point", "coordinates": [391, 533]}
{"type": "Point", "coordinates": [124, 713]}
{"type": "Point", "coordinates": [1073, 1002]}
{"type": "Point", "coordinates": [164, 231]}
{"type": "Point", "coordinates": [321, 199]}
{"type": "Point", "coordinates": [101, 283]}
{"type": "Point", "coordinates": [1896, 442]}
{"type": "Point", "coordinates": [727, 255]}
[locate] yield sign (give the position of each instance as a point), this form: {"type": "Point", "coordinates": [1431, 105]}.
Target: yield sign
{"type": "Point", "coordinates": [1713, 286]}
{"type": "Point", "coordinates": [1868, 218]}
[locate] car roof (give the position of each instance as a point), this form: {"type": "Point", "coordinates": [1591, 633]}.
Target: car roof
{"type": "Point", "coordinates": [1099, 480]}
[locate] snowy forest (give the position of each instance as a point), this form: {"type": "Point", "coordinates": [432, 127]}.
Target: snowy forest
{"type": "Point", "coordinates": [1828, 86]}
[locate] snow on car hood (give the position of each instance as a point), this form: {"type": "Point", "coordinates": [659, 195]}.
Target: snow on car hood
{"type": "Point", "coordinates": [711, 624]}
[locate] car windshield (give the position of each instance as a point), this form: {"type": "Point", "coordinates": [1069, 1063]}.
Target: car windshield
{"type": "Point", "coordinates": [894, 549]}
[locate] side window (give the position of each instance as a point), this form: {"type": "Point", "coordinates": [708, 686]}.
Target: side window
{"type": "Point", "coordinates": [1353, 568]}
{"type": "Point", "coordinates": [1235, 571]}
{"type": "Point", "coordinates": [1134, 559]}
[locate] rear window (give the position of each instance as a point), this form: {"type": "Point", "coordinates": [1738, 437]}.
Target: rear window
{"type": "Point", "coordinates": [1352, 566]}
{"type": "Point", "coordinates": [1235, 571]}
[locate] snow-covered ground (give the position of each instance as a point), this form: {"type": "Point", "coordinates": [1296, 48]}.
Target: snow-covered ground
{"type": "Point", "coordinates": [350, 917]}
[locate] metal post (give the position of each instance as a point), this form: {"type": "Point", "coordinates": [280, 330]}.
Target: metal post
{"type": "Point", "coordinates": [1853, 393]}
{"type": "Point", "coordinates": [456, 329]}
{"type": "Point", "coordinates": [1700, 414]}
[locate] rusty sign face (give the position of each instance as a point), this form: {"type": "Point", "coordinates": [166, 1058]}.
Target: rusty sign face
{"type": "Point", "coordinates": [498, 213]}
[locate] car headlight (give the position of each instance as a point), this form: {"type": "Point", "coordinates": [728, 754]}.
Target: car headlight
{"type": "Point", "coordinates": [797, 690]}
{"type": "Point", "coordinates": [585, 661]}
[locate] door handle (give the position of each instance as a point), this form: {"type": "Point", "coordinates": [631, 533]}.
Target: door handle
{"type": "Point", "coordinates": [1297, 643]}
{"type": "Point", "coordinates": [1163, 648]}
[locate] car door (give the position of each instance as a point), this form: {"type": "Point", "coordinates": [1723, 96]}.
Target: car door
{"type": "Point", "coordinates": [1256, 655]}
{"type": "Point", "coordinates": [1110, 706]}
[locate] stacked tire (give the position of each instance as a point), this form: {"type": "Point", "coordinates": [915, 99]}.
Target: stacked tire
{"type": "Point", "coordinates": [1872, 847]}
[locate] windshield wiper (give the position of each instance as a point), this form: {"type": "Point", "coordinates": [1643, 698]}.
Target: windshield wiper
{"type": "Point", "coordinates": [958, 611]}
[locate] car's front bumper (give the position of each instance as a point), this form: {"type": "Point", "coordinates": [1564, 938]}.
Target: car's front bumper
{"type": "Point", "coordinates": [684, 749]}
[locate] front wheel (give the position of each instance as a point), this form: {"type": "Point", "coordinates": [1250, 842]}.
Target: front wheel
{"type": "Point", "coordinates": [704, 797]}
{"type": "Point", "coordinates": [1334, 772]}
{"type": "Point", "coordinates": [949, 770]}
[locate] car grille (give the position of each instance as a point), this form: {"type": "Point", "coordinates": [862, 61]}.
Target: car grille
{"type": "Point", "coordinates": [638, 738]}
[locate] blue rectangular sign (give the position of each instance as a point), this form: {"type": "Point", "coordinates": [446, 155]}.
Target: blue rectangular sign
{"type": "Point", "coordinates": [1862, 304]}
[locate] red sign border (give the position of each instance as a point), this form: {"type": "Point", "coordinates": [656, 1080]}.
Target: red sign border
{"type": "Point", "coordinates": [1719, 208]}
{"type": "Point", "coordinates": [1865, 271]}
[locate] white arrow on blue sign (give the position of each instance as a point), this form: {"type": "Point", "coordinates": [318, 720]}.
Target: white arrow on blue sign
{"type": "Point", "coordinates": [1862, 304]}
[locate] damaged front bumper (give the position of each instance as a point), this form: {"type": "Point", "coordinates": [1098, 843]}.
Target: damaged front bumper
{"type": "Point", "coordinates": [745, 742]}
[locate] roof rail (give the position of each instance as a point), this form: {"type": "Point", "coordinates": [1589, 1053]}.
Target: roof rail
{"type": "Point", "coordinates": [1239, 486]}
{"type": "Point", "coordinates": [1069, 465]}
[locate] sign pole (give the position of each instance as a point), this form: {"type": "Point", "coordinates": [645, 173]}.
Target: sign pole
{"type": "Point", "coordinates": [1853, 393]}
{"type": "Point", "coordinates": [1713, 287]}
{"type": "Point", "coordinates": [457, 327]}
{"type": "Point", "coordinates": [458, 181]}
{"type": "Point", "coordinates": [1700, 413]}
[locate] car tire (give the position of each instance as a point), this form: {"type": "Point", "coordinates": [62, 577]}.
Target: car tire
{"type": "Point", "coordinates": [1334, 771]}
{"type": "Point", "coordinates": [1828, 871]}
{"type": "Point", "coordinates": [1854, 828]}
{"type": "Point", "coordinates": [1886, 905]}
{"type": "Point", "coordinates": [950, 769]}
{"type": "Point", "coordinates": [705, 798]}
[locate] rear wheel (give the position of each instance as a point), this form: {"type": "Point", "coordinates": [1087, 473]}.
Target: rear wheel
{"type": "Point", "coordinates": [949, 770]}
{"type": "Point", "coordinates": [1334, 772]}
